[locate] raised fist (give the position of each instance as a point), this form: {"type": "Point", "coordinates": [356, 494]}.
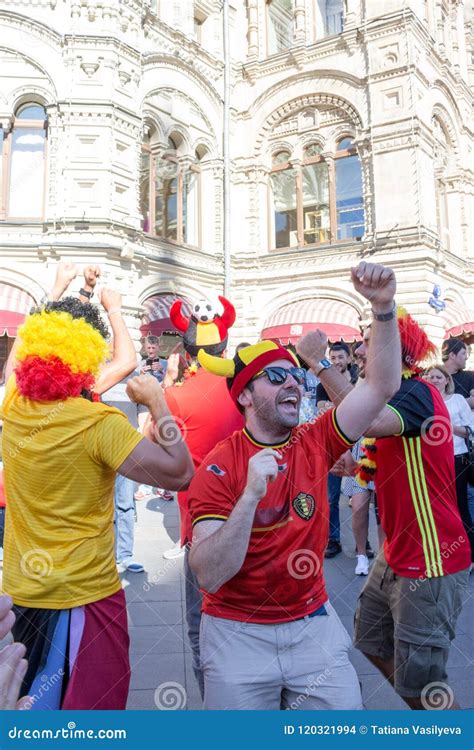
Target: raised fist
{"type": "Point", "coordinates": [312, 347]}
{"type": "Point", "coordinates": [262, 469]}
{"type": "Point", "coordinates": [376, 283]}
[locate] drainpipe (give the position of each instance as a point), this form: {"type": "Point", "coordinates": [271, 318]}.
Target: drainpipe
{"type": "Point", "coordinates": [225, 148]}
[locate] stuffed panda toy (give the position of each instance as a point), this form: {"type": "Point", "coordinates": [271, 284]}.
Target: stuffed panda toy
{"type": "Point", "coordinates": [205, 328]}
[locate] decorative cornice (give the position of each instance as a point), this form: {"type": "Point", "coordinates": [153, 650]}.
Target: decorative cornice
{"type": "Point", "coordinates": [301, 102]}
{"type": "Point", "coordinates": [156, 60]}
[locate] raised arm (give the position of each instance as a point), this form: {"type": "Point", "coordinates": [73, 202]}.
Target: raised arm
{"type": "Point", "coordinates": [166, 462]}
{"type": "Point", "coordinates": [124, 359]}
{"type": "Point", "coordinates": [359, 408]}
{"type": "Point", "coordinates": [65, 273]}
{"type": "Point", "coordinates": [219, 547]}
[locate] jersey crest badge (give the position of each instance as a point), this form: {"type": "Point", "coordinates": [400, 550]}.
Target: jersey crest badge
{"type": "Point", "coordinates": [304, 506]}
{"type": "Point", "coordinates": [216, 470]}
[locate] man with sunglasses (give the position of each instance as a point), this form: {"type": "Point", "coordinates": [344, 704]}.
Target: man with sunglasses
{"type": "Point", "coordinates": [269, 637]}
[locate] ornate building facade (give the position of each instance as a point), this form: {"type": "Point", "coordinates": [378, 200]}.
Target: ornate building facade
{"type": "Point", "coordinates": [256, 147]}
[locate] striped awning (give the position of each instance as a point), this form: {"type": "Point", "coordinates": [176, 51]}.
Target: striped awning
{"type": "Point", "coordinates": [15, 304]}
{"type": "Point", "coordinates": [458, 319]}
{"type": "Point", "coordinates": [337, 319]}
{"type": "Point", "coordinates": [156, 316]}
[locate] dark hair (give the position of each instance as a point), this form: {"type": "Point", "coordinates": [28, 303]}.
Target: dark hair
{"type": "Point", "coordinates": [239, 406]}
{"type": "Point", "coordinates": [356, 346]}
{"type": "Point", "coordinates": [340, 346]}
{"type": "Point", "coordinates": [452, 346]}
{"type": "Point", "coordinates": [77, 310]}
{"type": "Point", "coordinates": [152, 340]}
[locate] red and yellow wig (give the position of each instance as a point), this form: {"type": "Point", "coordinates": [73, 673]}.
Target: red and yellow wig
{"type": "Point", "coordinates": [416, 347]}
{"type": "Point", "coordinates": [62, 348]}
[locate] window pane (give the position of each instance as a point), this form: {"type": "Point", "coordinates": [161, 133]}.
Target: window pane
{"type": "Point", "coordinates": [281, 157]}
{"type": "Point", "coordinates": [345, 144]}
{"type": "Point", "coordinates": [284, 208]}
{"type": "Point", "coordinates": [316, 203]}
{"type": "Point", "coordinates": [145, 190]}
{"type": "Point", "coordinates": [314, 149]}
{"type": "Point", "coordinates": [170, 201]}
{"type": "Point", "coordinates": [27, 173]}
{"type": "Point", "coordinates": [31, 112]}
{"type": "Point", "coordinates": [280, 25]}
{"type": "Point", "coordinates": [191, 208]}
{"type": "Point", "coordinates": [159, 207]}
{"type": "Point", "coordinates": [334, 9]}
{"type": "Point", "coordinates": [349, 200]}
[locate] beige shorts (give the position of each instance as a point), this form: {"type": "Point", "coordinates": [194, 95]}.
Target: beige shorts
{"type": "Point", "coordinates": [299, 665]}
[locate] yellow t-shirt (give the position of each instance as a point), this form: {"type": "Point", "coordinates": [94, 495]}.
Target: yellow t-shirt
{"type": "Point", "coordinates": [60, 460]}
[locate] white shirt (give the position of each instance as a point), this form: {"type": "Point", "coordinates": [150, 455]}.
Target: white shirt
{"type": "Point", "coordinates": [461, 416]}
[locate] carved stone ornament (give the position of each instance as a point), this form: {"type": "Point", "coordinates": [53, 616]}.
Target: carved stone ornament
{"type": "Point", "coordinates": [90, 68]}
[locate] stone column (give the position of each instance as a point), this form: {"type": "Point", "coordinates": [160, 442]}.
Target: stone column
{"type": "Point", "coordinates": [252, 29]}
{"type": "Point", "coordinates": [299, 20]}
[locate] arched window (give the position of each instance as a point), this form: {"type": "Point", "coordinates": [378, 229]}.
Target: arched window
{"type": "Point", "coordinates": [349, 197]}
{"type": "Point", "coordinates": [169, 193]}
{"type": "Point", "coordinates": [280, 32]}
{"type": "Point", "coordinates": [315, 196]}
{"type": "Point", "coordinates": [283, 182]}
{"type": "Point", "coordinates": [317, 202]}
{"type": "Point", "coordinates": [23, 181]}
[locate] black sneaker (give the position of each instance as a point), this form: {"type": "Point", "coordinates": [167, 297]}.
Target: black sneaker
{"type": "Point", "coordinates": [332, 549]}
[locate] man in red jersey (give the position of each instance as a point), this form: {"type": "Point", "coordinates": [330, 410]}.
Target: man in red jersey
{"type": "Point", "coordinates": [269, 637]}
{"type": "Point", "coordinates": [408, 609]}
{"type": "Point", "coordinates": [205, 414]}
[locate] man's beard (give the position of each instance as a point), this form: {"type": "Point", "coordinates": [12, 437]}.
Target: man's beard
{"type": "Point", "coordinates": [272, 418]}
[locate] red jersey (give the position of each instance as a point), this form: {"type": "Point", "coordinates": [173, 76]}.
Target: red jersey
{"type": "Point", "coordinates": [415, 485]}
{"type": "Point", "coordinates": [281, 578]}
{"type": "Point", "coordinates": [205, 414]}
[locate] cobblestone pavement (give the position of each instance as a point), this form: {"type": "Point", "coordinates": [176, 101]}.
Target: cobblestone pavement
{"type": "Point", "coordinates": [160, 653]}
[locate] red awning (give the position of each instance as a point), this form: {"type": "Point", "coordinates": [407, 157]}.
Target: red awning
{"type": "Point", "coordinates": [15, 304]}
{"type": "Point", "coordinates": [337, 319]}
{"type": "Point", "coordinates": [156, 320]}
{"type": "Point", "coordinates": [458, 319]}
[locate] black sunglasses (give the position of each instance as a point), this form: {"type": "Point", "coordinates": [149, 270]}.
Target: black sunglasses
{"type": "Point", "coordinates": [278, 375]}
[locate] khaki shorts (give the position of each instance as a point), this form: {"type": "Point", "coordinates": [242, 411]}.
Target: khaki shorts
{"type": "Point", "coordinates": [411, 620]}
{"type": "Point", "coordinates": [299, 665]}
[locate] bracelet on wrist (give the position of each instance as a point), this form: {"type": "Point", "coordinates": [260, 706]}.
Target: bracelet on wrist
{"type": "Point", "coordinates": [114, 311]}
{"type": "Point", "coordinates": [383, 317]}
{"type": "Point", "coordinates": [85, 293]}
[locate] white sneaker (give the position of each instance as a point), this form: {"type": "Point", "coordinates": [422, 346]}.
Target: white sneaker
{"type": "Point", "coordinates": [362, 567]}
{"type": "Point", "coordinates": [174, 553]}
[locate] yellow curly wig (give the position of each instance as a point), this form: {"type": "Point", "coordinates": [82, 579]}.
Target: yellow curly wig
{"type": "Point", "coordinates": [58, 334]}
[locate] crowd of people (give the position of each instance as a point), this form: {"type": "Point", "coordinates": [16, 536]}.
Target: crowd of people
{"type": "Point", "coordinates": [259, 448]}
